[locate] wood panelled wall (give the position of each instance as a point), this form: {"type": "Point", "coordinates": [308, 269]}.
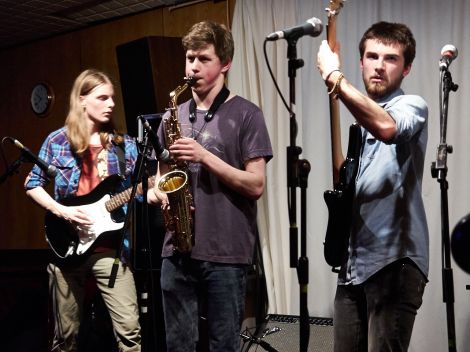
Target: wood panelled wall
{"type": "Point", "coordinates": [58, 61]}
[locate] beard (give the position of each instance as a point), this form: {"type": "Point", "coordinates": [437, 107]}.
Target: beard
{"type": "Point", "coordinates": [378, 90]}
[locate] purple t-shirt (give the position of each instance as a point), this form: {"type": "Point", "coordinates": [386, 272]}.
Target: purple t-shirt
{"type": "Point", "coordinates": [224, 221]}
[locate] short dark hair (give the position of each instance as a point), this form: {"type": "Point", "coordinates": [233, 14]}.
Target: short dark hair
{"type": "Point", "coordinates": [391, 33]}
{"type": "Point", "coordinates": [205, 33]}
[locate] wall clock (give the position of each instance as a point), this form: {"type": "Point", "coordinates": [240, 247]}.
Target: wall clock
{"type": "Point", "coordinates": [42, 98]}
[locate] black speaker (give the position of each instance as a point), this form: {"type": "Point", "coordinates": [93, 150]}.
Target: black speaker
{"type": "Point", "coordinates": [24, 308]}
{"type": "Point", "coordinates": [460, 243]}
{"type": "Point", "coordinates": [281, 333]}
{"type": "Point", "coordinates": [151, 310]}
{"type": "Point", "coordinates": [147, 249]}
{"type": "Point", "coordinates": [149, 69]}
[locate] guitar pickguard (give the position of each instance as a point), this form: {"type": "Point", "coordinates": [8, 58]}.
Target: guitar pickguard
{"type": "Point", "coordinates": [66, 239]}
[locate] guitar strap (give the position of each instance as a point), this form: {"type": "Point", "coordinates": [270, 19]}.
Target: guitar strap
{"type": "Point", "coordinates": [219, 100]}
{"type": "Point", "coordinates": [120, 148]}
{"type": "Point", "coordinates": [122, 251]}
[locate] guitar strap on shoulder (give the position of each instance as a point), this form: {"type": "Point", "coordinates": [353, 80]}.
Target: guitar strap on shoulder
{"type": "Point", "coordinates": [122, 251]}
{"type": "Point", "coordinates": [120, 150]}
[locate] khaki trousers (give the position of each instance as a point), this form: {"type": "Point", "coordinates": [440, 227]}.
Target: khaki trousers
{"type": "Point", "coordinates": [67, 287]}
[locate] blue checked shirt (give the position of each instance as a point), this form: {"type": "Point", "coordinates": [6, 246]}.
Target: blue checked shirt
{"type": "Point", "coordinates": [56, 150]}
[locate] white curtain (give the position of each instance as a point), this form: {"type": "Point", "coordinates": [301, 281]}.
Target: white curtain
{"type": "Point", "coordinates": [434, 24]}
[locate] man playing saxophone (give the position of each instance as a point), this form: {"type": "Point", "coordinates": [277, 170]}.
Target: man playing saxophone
{"type": "Point", "coordinates": [226, 147]}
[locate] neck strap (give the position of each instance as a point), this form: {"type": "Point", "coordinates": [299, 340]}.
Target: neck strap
{"type": "Point", "coordinates": [219, 100]}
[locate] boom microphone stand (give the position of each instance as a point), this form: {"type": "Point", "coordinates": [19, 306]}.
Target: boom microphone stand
{"type": "Point", "coordinates": [146, 300]}
{"type": "Point", "coordinates": [297, 176]}
{"type": "Point", "coordinates": [144, 275]}
{"type": "Point", "coordinates": [13, 168]}
{"type": "Point", "coordinates": [439, 171]}
{"type": "Point", "coordinates": [136, 177]}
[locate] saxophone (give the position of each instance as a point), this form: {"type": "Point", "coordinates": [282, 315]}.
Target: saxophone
{"type": "Point", "coordinates": [177, 213]}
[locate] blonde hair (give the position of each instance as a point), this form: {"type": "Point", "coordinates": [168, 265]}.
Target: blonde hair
{"type": "Point", "coordinates": [76, 123]}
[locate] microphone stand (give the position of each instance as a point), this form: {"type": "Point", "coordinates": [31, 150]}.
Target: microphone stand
{"type": "Point", "coordinates": [12, 169]}
{"type": "Point", "coordinates": [147, 301]}
{"type": "Point", "coordinates": [439, 171]}
{"type": "Point", "coordinates": [297, 176]}
{"type": "Point", "coordinates": [136, 176]}
{"type": "Point", "coordinates": [139, 174]}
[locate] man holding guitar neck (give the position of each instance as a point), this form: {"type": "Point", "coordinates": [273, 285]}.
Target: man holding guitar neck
{"type": "Point", "coordinates": [380, 288]}
{"type": "Point", "coordinates": [86, 151]}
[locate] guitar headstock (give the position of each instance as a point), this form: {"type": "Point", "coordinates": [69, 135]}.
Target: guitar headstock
{"type": "Point", "coordinates": [334, 8]}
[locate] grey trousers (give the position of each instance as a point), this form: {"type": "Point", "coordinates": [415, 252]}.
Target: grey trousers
{"type": "Point", "coordinates": [67, 287]}
{"type": "Point", "coordinates": [378, 315]}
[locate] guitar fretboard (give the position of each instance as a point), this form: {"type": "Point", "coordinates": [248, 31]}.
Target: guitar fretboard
{"type": "Point", "coordinates": [118, 200]}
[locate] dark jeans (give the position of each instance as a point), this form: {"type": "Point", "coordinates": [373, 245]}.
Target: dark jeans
{"type": "Point", "coordinates": [191, 288]}
{"type": "Point", "coordinates": [378, 315]}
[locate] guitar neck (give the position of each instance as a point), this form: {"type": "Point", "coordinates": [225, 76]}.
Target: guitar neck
{"type": "Point", "coordinates": [335, 126]}
{"type": "Point", "coordinates": [118, 200]}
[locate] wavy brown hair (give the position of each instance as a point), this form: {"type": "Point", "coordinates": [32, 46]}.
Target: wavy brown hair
{"type": "Point", "coordinates": [391, 33]}
{"type": "Point", "coordinates": [202, 34]}
{"type": "Point", "coordinates": [76, 122]}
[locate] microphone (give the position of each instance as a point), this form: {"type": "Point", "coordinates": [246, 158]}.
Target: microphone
{"type": "Point", "coordinates": [313, 27]}
{"type": "Point", "coordinates": [160, 151]}
{"type": "Point", "coordinates": [448, 54]}
{"type": "Point", "coordinates": [50, 170]}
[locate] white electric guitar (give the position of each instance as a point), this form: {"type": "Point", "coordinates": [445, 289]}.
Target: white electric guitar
{"type": "Point", "coordinates": [104, 208]}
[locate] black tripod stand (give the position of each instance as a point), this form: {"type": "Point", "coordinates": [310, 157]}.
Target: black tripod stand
{"type": "Point", "coordinates": [258, 341]}
{"type": "Point", "coordinates": [439, 171]}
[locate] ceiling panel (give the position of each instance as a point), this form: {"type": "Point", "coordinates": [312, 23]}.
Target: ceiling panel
{"type": "Point", "coordinates": [23, 21]}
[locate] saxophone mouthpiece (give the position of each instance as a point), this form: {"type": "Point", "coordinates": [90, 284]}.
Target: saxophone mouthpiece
{"type": "Point", "coordinates": [190, 80]}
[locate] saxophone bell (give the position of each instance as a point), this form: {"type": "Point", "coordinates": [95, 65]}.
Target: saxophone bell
{"type": "Point", "coordinates": [177, 213]}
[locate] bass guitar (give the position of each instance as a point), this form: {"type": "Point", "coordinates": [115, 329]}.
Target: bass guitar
{"type": "Point", "coordinates": [339, 200]}
{"type": "Point", "coordinates": [102, 206]}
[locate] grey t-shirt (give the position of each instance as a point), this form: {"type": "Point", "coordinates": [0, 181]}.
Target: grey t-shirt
{"type": "Point", "coordinates": [224, 221]}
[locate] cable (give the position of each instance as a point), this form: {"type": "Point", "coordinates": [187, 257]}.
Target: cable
{"type": "Point", "coordinates": [274, 79]}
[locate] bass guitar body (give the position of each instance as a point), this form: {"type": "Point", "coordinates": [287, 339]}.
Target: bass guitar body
{"type": "Point", "coordinates": [339, 202]}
